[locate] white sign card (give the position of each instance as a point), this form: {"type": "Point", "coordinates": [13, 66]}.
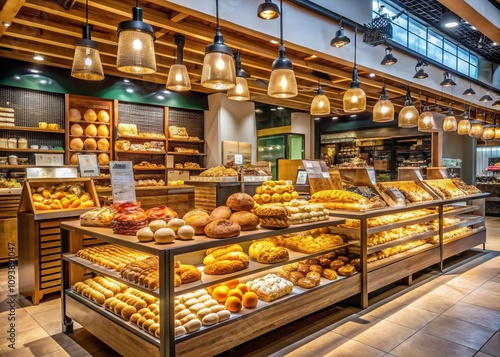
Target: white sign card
{"type": "Point", "coordinates": [122, 181]}
{"type": "Point", "coordinates": [301, 177]}
{"type": "Point", "coordinates": [88, 165]}
{"type": "Point", "coordinates": [238, 159]}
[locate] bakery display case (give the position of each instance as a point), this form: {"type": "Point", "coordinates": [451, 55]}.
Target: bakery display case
{"type": "Point", "coordinates": [240, 327]}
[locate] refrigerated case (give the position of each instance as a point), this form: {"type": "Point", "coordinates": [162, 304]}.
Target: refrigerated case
{"type": "Point", "coordinates": [281, 146]}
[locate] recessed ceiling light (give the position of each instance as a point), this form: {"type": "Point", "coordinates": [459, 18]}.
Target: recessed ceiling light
{"type": "Point", "coordinates": [274, 42]}
{"type": "Point", "coordinates": [493, 43]}
{"type": "Point", "coordinates": [126, 80]}
{"type": "Point", "coordinates": [259, 111]}
{"type": "Point", "coordinates": [317, 118]}
{"type": "Point", "coordinates": [38, 57]}
{"type": "Point", "coordinates": [129, 90]}
{"type": "Point", "coordinates": [335, 118]}
{"type": "Point", "coordinates": [353, 115]}
{"type": "Point", "coordinates": [273, 109]}
{"type": "Point", "coordinates": [473, 28]}
{"type": "Point", "coordinates": [5, 23]}
{"type": "Point", "coordinates": [43, 81]}
{"type": "Point", "coordinates": [372, 75]}
{"type": "Point", "coordinates": [280, 108]}
{"type": "Point", "coordinates": [34, 71]}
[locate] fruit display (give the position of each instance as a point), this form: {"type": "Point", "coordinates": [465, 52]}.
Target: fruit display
{"type": "Point", "coordinates": [275, 192]}
{"type": "Point", "coordinates": [62, 196]}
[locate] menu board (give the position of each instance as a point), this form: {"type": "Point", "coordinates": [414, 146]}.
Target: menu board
{"type": "Point", "coordinates": [122, 181]}
{"type": "Point", "coordinates": [88, 165]}
{"type": "Point", "coordinates": [318, 175]}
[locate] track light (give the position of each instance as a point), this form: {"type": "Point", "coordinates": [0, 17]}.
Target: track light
{"type": "Point", "coordinates": [268, 10]}
{"type": "Point", "coordinates": [449, 19]}
{"type": "Point", "coordinates": [383, 110]}
{"type": "Point", "coordinates": [486, 98]}
{"type": "Point", "coordinates": [420, 71]}
{"type": "Point", "coordinates": [469, 91]}
{"type": "Point", "coordinates": [389, 58]}
{"type": "Point", "coordinates": [408, 116]}
{"type": "Point", "coordinates": [240, 91]}
{"type": "Point", "coordinates": [320, 104]}
{"type": "Point", "coordinates": [340, 39]}
{"type": "Point", "coordinates": [447, 81]}
{"type": "Point", "coordinates": [178, 76]}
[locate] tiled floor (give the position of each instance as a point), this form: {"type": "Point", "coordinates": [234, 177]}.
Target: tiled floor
{"type": "Point", "coordinates": [452, 314]}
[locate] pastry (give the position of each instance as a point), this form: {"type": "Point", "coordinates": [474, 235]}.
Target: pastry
{"type": "Point", "coordinates": [214, 254]}
{"type": "Point", "coordinates": [272, 216]}
{"type": "Point", "coordinates": [246, 220]}
{"type": "Point", "coordinates": [330, 274]}
{"type": "Point", "coordinates": [267, 252]}
{"type": "Point", "coordinates": [160, 212]}
{"type": "Point", "coordinates": [346, 270]}
{"type": "Point", "coordinates": [90, 115]}
{"type": "Point", "coordinates": [98, 216]}
{"type": "Point", "coordinates": [130, 217]}
{"type": "Point", "coordinates": [270, 287]}
{"type": "Point", "coordinates": [240, 202]}
{"type": "Point", "coordinates": [336, 264]}
{"type": "Point", "coordinates": [295, 276]}
{"type": "Point", "coordinates": [225, 260]}
{"type": "Point", "coordinates": [222, 228]}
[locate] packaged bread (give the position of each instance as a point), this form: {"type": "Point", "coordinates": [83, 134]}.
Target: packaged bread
{"type": "Point", "coordinates": [90, 144]}
{"type": "Point", "coordinates": [103, 116]}
{"type": "Point", "coordinates": [76, 129]}
{"type": "Point", "coordinates": [74, 114]}
{"type": "Point", "coordinates": [76, 144]}
{"type": "Point", "coordinates": [91, 130]}
{"type": "Point", "coordinates": [177, 132]}
{"type": "Point", "coordinates": [122, 145]}
{"type": "Point", "coordinates": [103, 144]}
{"type": "Point", "coordinates": [90, 115]}
{"type": "Point", "coordinates": [98, 217]}
{"type": "Point", "coordinates": [102, 130]}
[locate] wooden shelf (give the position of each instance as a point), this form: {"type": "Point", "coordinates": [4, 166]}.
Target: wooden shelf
{"type": "Point", "coordinates": [33, 129]}
{"type": "Point", "coordinates": [143, 138]}
{"type": "Point", "coordinates": [35, 151]}
{"type": "Point", "coordinates": [89, 151]}
{"type": "Point", "coordinates": [185, 153]}
{"type": "Point", "coordinates": [199, 141]}
{"type": "Point", "coordinates": [191, 169]}
{"type": "Point", "coordinates": [89, 136]}
{"type": "Point", "coordinates": [28, 166]}
{"type": "Point", "coordinates": [87, 122]}
{"type": "Point", "coordinates": [149, 168]}
{"type": "Point", "coordinates": [137, 152]}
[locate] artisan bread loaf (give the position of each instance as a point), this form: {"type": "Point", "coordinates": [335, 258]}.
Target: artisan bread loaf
{"type": "Point", "coordinates": [76, 129]}
{"type": "Point", "coordinates": [246, 220]}
{"type": "Point", "coordinates": [91, 130]}
{"type": "Point", "coordinates": [240, 202]}
{"type": "Point", "coordinates": [222, 228]}
{"type": "Point", "coordinates": [90, 115]}
{"type": "Point", "coordinates": [220, 212]}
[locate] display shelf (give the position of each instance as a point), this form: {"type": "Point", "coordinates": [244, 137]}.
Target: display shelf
{"type": "Point", "coordinates": [149, 168]}
{"type": "Point", "coordinates": [175, 153]}
{"type": "Point", "coordinates": [460, 244]}
{"type": "Point", "coordinates": [31, 129]}
{"type": "Point", "coordinates": [393, 243]}
{"type": "Point", "coordinates": [88, 122]}
{"type": "Point", "coordinates": [88, 136]}
{"type": "Point", "coordinates": [460, 210]}
{"type": "Point", "coordinates": [465, 235]}
{"type": "Point", "coordinates": [89, 151]}
{"type": "Point", "coordinates": [190, 169]}
{"type": "Point", "coordinates": [199, 141]}
{"type": "Point", "coordinates": [465, 221]}
{"type": "Point", "coordinates": [38, 151]}
{"type": "Point", "coordinates": [141, 138]}
{"type": "Point", "coordinates": [28, 166]}
{"type": "Point", "coordinates": [401, 256]}
{"type": "Point", "coordinates": [137, 152]}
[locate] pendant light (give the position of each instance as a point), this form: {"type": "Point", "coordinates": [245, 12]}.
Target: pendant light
{"type": "Point", "coordinates": [426, 119]}
{"type": "Point", "coordinates": [497, 129]}
{"type": "Point", "coordinates": [340, 39]}
{"type": "Point", "coordinates": [449, 19]}
{"type": "Point", "coordinates": [178, 76]}
{"type": "Point", "coordinates": [136, 52]}
{"type": "Point", "coordinates": [268, 10]}
{"type": "Point", "coordinates": [420, 71]}
{"type": "Point", "coordinates": [469, 91]}
{"type": "Point", "coordinates": [219, 69]}
{"type": "Point", "coordinates": [86, 61]}
{"type": "Point", "coordinates": [488, 131]}
{"type": "Point", "coordinates": [383, 111]}
{"type": "Point", "coordinates": [240, 91]}
{"type": "Point", "coordinates": [408, 116]}
{"type": "Point", "coordinates": [496, 103]}
{"type": "Point", "coordinates": [476, 130]}
{"type": "Point", "coordinates": [486, 98]}
{"type": "Point", "coordinates": [447, 81]}
{"type": "Point", "coordinates": [450, 122]}
{"type": "Point", "coordinates": [464, 125]}
{"type": "Point", "coordinates": [355, 98]}
{"type": "Point", "coordinates": [389, 58]}
{"type": "Point", "coordinates": [320, 104]}
{"type": "Point", "coordinates": [282, 83]}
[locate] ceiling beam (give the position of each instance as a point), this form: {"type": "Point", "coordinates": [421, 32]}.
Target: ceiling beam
{"type": "Point", "coordinates": [9, 12]}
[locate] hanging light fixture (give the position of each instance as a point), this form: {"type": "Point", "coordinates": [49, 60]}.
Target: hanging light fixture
{"type": "Point", "coordinates": [449, 19]}
{"type": "Point", "coordinates": [178, 76]}
{"type": "Point", "coordinates": [420, 71]}
{"type": "Point", "coordinates": [282, 83]}
{"type": "Point", "coordinates": [447, 81]}
{"type": "Point", "coordinates": [86, 61]}
{"type": "Point", "coordinates": [320, 104]}
{"type": "Point", "coordinates": [38, 57]}
{"type": "Point", "coordinates": [383, 110]}
{"type": "Point", "coordinates": [340, 39]}
{"type": "Point", "coordinates": [426, 119]}
{"type": "Point", "coordinates": [408, 116]}
{"type": "Point", "coordinates": [469, 91]}
{"type": "Point", "coordinates": [268, 10]}
{"type": "Point", "coordinates": [488, 130]}
{"type": "Point", "coordinates": [355, 98]}
{"type": "Point", "coordinates": [497, 129]}
{"type": "Point", "coordinates": [486, 98]}
{"type": "Point", "coordinates": [389, 58]}
{"type": "Point", "coordinates": [464, 125]}
{"type": "Point", "coordinates": [450, 122]}
{"type": "Point", "coordinates": [219, 69]}
{"type": "Point", "coordinates": [136, 52]}
{"type": "Point", "coordinates": [496, 103]}
{"type": "Point", "coordinates": [240, 91]}
{"type": "Point", "coordinates": [476, 129]}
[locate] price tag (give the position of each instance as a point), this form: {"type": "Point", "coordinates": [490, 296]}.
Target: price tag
{"type": "Point", "coordinates": [88, 165]}
{"type": "Point", "coordinates": [372, 176]}
{"type": "Point", "coordinates": [301, 177]}
{"type": "Point", "coordinates": [122, 181]}
{"type": "Point", "coordinates": [238, 159]}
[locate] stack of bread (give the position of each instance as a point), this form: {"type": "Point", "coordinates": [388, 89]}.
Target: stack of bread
{"type": "Point", "coordinates": [62, 196]}
{"type": "Point", "coordinates": [301, 211]}
{"type": "Point", "coordinates": [310, 241]}
{"type": "Point", "coordinates": [341, 200]}
{"type": "Point", "coordinates": [410, 190]}
{"type": "Point", "coordinates": [385, 253]}
{"type": "Point", "coordinates": [467, 189]}
{"type": "Point", "coordinates": [111, 256]}
{"type": "Point", "coordinates": [273, 215]}
{"type": "Point", "coordinates": [451, 234]}
{"type": "Point", "coordinates": [267, 251]}
{"type": "Point", "coordinates": [275, 192]}
{"type": "Point", "coordinates": [219, 171]}
{"type": "Point", "coordinates": [225, 260]}
{"type": "Point", "coordinates": [129, 218]}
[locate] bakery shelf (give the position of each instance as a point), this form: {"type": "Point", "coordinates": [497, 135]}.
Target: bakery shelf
{"type": "Point", "coordinates": [189, 169]}
{"type": "Point", "coordinates": [465, 235]}
{"type": "Point", "coordinates": [33, 129]}
{"type": "Point", "coordinates": [87, 122]}
{"type": "Point", "coordinates": [137, 152]}
{"type": "Point", "coordinates": [460, 210]}
{"type": "Point", "coordinates": [38, 151]}
{"type": "Point", "coordinates": [175, 153]}
{"type": "Point", "coordinates": [90, 151]}
{"type": "Point", "coordinates": [467, 220]}
{"type": "Point", "coordinates": [199, 141]}
{"type": "Point", "coordinates": [149, 168]}
{"type": "Point", "coordinates": [393, 243]}
{"type": "Point", "coordinates": [89, 136]}
{"type": "Point", "coordinates": [401, 256]}
{"type": "Point", "coordinates": [142, 138]}
{"type": "Point", "coordinates": [28, 166]}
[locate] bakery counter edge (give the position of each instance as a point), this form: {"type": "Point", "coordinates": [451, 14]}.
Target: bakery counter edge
{"type": "Point", "coordinates": [198, 243]}
{"type": "Point", "coordinates": [173, 189]}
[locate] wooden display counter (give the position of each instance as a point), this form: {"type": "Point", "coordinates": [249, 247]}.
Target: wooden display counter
{"type": "Point", "coordinates": [9, 203]}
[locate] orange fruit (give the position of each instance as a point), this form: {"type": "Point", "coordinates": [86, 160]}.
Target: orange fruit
{"type": "Point", "coordinates": [210, 289]}
{"type": "Point", "coordinates": [235, 292]}
{"type": "Point", "coordinates": [242, 287]}
{"type": "Point", "coordinates": [250, 300]}
{"type": "Point", "coordinates": [232, 283]}
{"type": "Point", "coordinates": [220, 293]}
{"type": "Point", "coordinates": [233, 304]}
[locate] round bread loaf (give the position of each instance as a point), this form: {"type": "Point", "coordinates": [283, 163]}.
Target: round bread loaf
{"type": "Point", "coordinates": [76, 144]}
{"type": "Point", "coordinates": [74, 114]}
{"type": "Point", "coordinates": [90, 144]}
{"type": "Point", "coordinates": [270, 210]}
{"type": "Point", "coordinates": [246, 220]}
{"type": "Point", "coordinates": [103, 116]}
{"type": "Point", "coordinates": [103, 144]}
{"type": "Point", "coordinates": [76, 129]}
{"type": "Point", "coordinates": [103, 159]}
{"type": "Point", "coordinates": [90, 115]}
{"type": "Point", "coordinates": [102, 130]}
{"type": "Point", "coordinates": [74, 159]}
{"type": "Point", "coordinates": [91, 130]}
{"type": "Point", "coordinates": [198, 222]}
{"type": "Point", "coordinates": [195, 212]}
{"type": "Point", "coordinates": [222, 228]}
{"type": "Point", "coordinates": [220, 212]}
{"type": "Point", "coordinates": [240, 202]}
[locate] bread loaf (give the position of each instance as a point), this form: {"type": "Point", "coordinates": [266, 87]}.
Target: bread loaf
{"type": "Point", "coordinates": [221, 212]}
{"type": "Point", "coordinates": [225, 260]}
{"type": "Point", "coordinates": [76, 129]}
{"type": "Point", "coordinates": [90, 144]}
{"type": "Point", "coordinates": [103, 159]}
{"type": "Point", "coordinates": [222, 228]}
{"type": "Point", "coordinates": [90, 115]}
{"type": "Point", "coordinates": [91, 130]}
{"type": "Point", "coordinates": [240, 202]}
{"type": "Point", "coordinates": [103, 144]}
{"type": "Point", "coordinates": [246, 220]}
{"type": "Point", "coordinates": [74, 114]}
{"type": "Point", "coordinates": [74, 159]}
{"type": "Point", "coordinates": [76, 144]}
{"type": "Point", "coordinates": [102, 130]}
{"type": "Point", "coordinates": [103, 116]}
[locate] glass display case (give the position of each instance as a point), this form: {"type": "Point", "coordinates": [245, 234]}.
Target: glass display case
{"type": "Point", "coordinates": [281, 146]}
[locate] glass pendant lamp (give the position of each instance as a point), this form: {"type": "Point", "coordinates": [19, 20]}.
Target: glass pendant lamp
{"type": "Point", "coordinates": [240, 91]}
{"type": "Point", "coordinates": [408, 116]}
{"type": "Point", "coordinates": [354, 99]}
{"type": "Point", "coordinates": [488, 133]}
{"type": "Point", "coordinates": [383, 111]}
{"type": "Point", "coordinates": [219, 69]}
{"type": "Point", "coordinates": [136, 52]}
{"type": "Point", "coordinates": [178, 76]}
{"type": "Point", "coordinates": [282, 83]}
{"type": "Point", "coordinates": [320, 104]}
{"type": "Point", "coordinates": [497, 133]}
{"type": "Point", "coordinates": [86, 61]}
{"type": "Point", "coordinates": [476, 130]}
{"type": "Point", "coordinates": [450, 122]}
{"type": "Point", "coordinates": [464, 125]}
{"type": "Point", "coordinates": [426, 119]}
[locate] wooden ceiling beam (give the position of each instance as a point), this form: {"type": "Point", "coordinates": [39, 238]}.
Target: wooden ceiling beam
{"type": "Point", "coordinates": [9, 12]}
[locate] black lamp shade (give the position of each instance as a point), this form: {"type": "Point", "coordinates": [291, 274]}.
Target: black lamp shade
{"type": "Point", "coordinates": [486, 98]}
{"type": "Point", "coordinates": [421, 74]}
{"type": "Point", "coordinates": [389, 58]}
{"type": "Point", "coordinates": [449, 20]}
{"type": "Point", "coordinates": [469, 91]}
{"type": "Point", "coordinates": [268, 10]}
{"type": "Point", "coordinates": [340, 39]}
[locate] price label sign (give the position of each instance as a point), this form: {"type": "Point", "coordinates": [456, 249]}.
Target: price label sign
{"type": "Point", "coordinates": [122, 181]}
{"type": "Point", "coordinates": [238, 159]}
{"type": "Point", "coordinates": [88, 165]}
{"type": "Point", "coordinates": [301, 177]}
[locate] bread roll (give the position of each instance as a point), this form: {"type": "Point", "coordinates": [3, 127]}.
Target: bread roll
{"type": "Point", "coordinates": [240, 202]}
{"type": "Point", "coordinates": [198, 222]}
{"type": "Point", "coordinates": [103, 144]}
{"type": "Point", "coordinates": [222, 212]}
{"type": "Point", "coordinates": [222, 228]}
{"type": "Point", "coordinates": [76, 129]}
{"type": "Point", "coordinates": [91, 130]}
{"type": "Point", "coordinates": [90, 115]}
{"type": "Point", "coordinates": [74, 159]}
{"type": "Point", "coordinates": [89, 144]}
{"type": "Point", "coordinates": [246, 220]}
{"type": "Point", "coordinates": [195, 212]}
{"type": "Point", "coordinates": [103, 159]}
{"type": "Point", "coordinates": [74, 114]}
{"type": "Point", "coordinates": [103, 116]}
{"type": "Point", "coordinates": [76, 144]}
{"type": "Point", "coordinates": [102, 130]}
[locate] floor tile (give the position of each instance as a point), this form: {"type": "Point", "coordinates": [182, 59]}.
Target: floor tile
{"type": "Point", "coordinates": [451, 292]}
{"type": "Point", "coordinates": [39, 347]}
{"type": "Point", "coordinates": [483, 299]}
{"type": "Point", "coordinates": [47, 316]}
{"type": "Point", "coordinates": [434, 303]}
{"type": "Point", "coordinates": [384, 310]}
{"type": "Point", "coordinates": [490, 287]}
{"type": "Point", "coordinates": [459, 331]}
{"type": "Point", "coordinates": [476, 314]}
{"type": "Point", "coordinates": [470, 282]}
{"type": "Point", "coordinates": [492, 347]}
{"type": "Point", "coordinates": [24, 337]}
{"type": "Point", "coordinates": [356, 325]}
{"type": "Point", "coordinates": [23, 322]}
{"type": "Point", "coordinates": [412, 317]}
{"type": "Point", "coordinates": [482, 354]}
{"type": "Point", "coordinates": [422, 344]}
